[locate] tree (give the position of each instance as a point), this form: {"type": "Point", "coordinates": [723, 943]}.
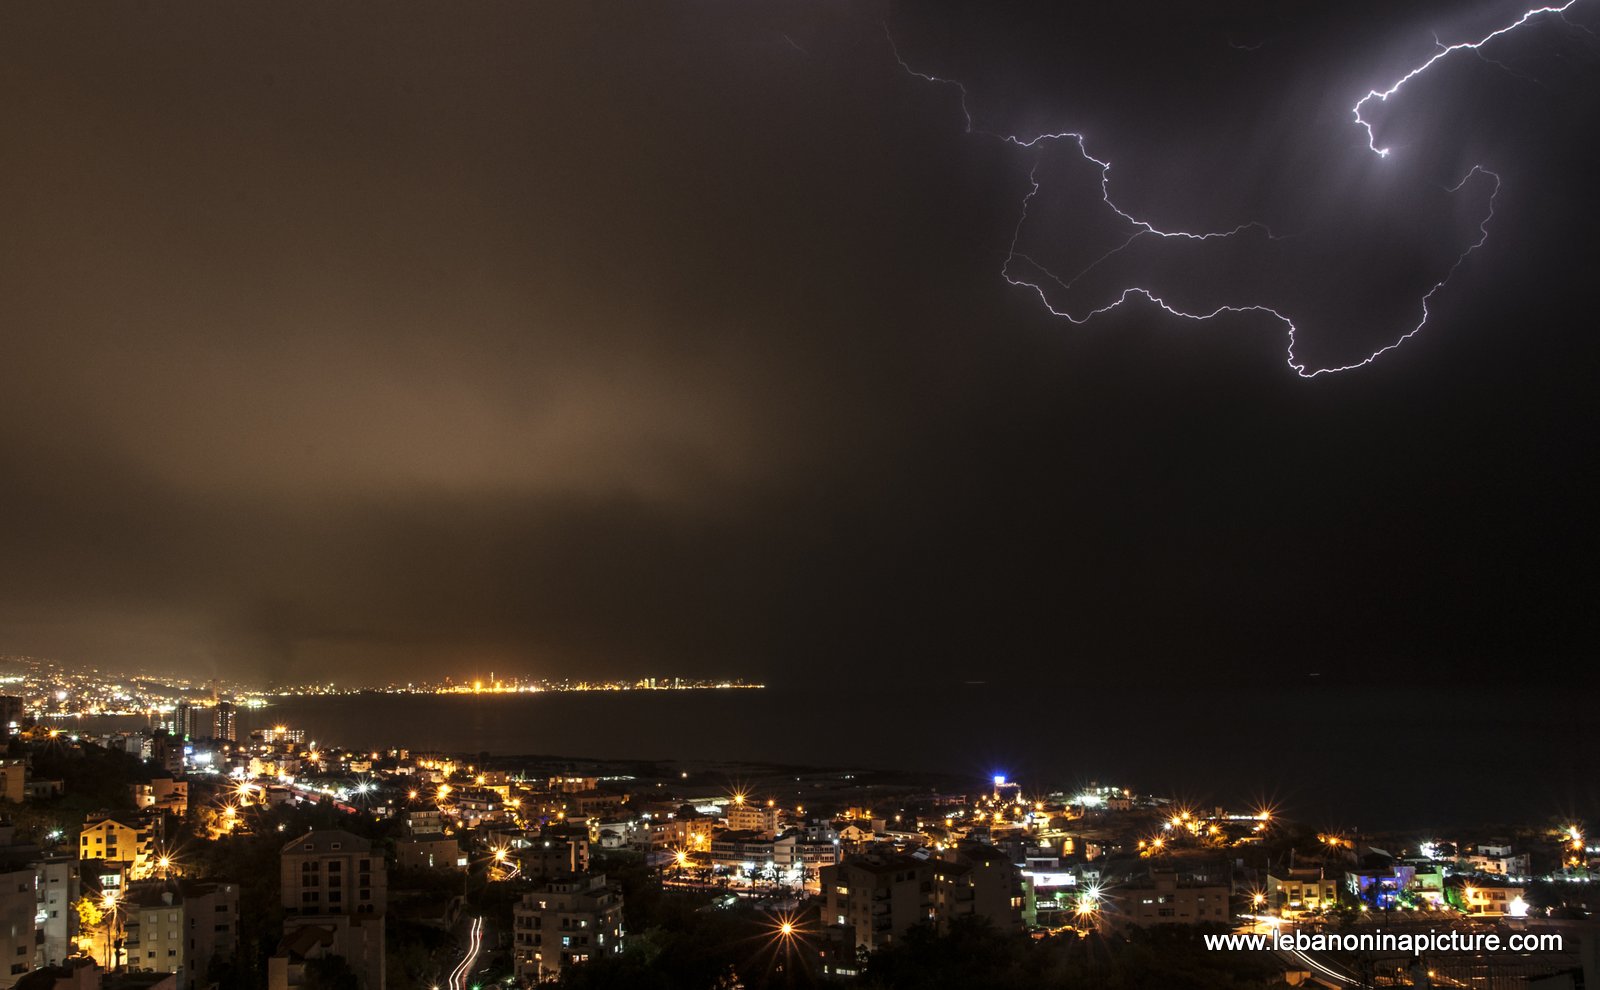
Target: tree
{"type": "Point", "coordinates": [89, 911]}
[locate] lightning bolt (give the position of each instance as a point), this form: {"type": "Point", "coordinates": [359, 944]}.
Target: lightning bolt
{"type": "Point", "coordinates": [1299, 367]}
{"type": "Point", "coordinates": [1445, 51]}
{"type": "Point", "coordinates": [1144, 228]}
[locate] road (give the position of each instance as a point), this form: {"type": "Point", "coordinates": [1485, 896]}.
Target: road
{"type": "Point", "coordinates": [463, 971]}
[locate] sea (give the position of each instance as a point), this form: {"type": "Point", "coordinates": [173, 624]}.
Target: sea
{"type": "Point", "coordinates": [1334, 756]}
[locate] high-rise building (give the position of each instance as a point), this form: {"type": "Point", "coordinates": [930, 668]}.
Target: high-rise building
{"type": "Point", "coordinates": [56, 888]}
{"type": "Point", "coordinates": [564, 923]}
{"type": "Point", "coordinates": [23, 934]}
{"type": "Point", "coordinates": [37, 919]}
{"type": "Point", "coordinates": [18, 905]}
{"type": "Point", "coordinates": [191, 721]}
{"type": "Point", "coordinates": [227, 721]}
{"type": "Point", "coordinates": [10, 714]}
{"type": "Point", "coordinates": [166, 749]}
{"type": "Point", "coordinates": [335, 892]}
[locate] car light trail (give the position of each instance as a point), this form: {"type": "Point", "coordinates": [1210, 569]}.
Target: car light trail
{"type": "Point", "coordinates": [463, 970]}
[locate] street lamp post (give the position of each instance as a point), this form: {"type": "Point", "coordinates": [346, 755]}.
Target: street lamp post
{"type": "Point", "coordinates": [108, 902]}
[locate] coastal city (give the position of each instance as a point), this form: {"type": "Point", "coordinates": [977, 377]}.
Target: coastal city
{"type": "Point", "coordinates": [54, 690]}
{"type": "Point", "coordinates": [860, 495]}
{"type": "Point", "coordinates": [189, 855]}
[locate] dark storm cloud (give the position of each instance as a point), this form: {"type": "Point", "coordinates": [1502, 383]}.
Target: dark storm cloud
{"type": "Point", "coordinates": [619, 339]}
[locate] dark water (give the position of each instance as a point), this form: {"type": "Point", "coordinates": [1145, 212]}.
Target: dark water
{"type": "Point", "coordinates": [1332, 756]}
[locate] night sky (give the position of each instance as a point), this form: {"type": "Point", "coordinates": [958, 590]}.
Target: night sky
{"type": "Point", "coordinates": [557, 339]}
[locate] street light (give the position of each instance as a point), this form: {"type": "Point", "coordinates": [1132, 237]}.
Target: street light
{"type": "Point", "coordinates": [108, 902]}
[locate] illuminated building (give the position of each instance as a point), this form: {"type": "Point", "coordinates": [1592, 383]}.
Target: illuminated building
{"type": "Point", "coordinates": [278, 734]}
{"type": "Point", "coordinates": [332, 872]}
{"type": "Point", "coordinates": [573, 785]}
{"type": "Point", "coordinates": [477, 804]}
{"type": "Point", "coordinates": [1380, 887]}
{"type": "Point", "coordinates": [978, 881]}
{"type": "Point", "coordinates": [575, 836]}
{"type": "Point", "coordinates": [870, 901]}
{"type": "Point", "coordinates": [335, 892]}
{"type": "Point", "coordinates": [615, 833]}
{"type": "Point", "coordinates": [190, 721]}
{"type": "Point", "coordinates": [763, 818]}
{"type": "Point", "coordinates": [1292, 891]}
{"type": "Point", "coordinates": [1006, 791]}
{"type": "Point", "coordinates": [56, 888]}
{"type": "Point", "coordinates": [1500, 860]}
{"type": "Point", "coordinates": [14, 773]}
{"type": "Point", "coordinates": [421, 821]}
{"type": "Point", "coordinates": [180, 926]}
{"type": "Point", "coordinates": [876, 898]}
{"type": "Point", "coordinates": [123, 839]}
{"type": "Point", "coordinates": [1164, 898]}
{"type": "Point", "coordinates": [227, 721]}
{"type": "Point", "coordinates": [597, 803]}
{"type": "Point", "coordinates": [18, 907]}
{"type": "Point", "coordinates": [164, 793]}
{"type": "Point", "coordinates": [564, 923]}
{"type": "Point", "coordinates": [853, 836]}
{"type": "Point", "coordinates": [1494, 899]}
{"type": "Point", "coordinates": [556, 855]}
{"type": "Point", "coordinates": [166, 750]}
{"type": "Point", "coordinates": [794, 851]}
{"type": "Point", "coordinates": [11, 714]}
{"type": "Point", "coordinates": [736, 850]}
{"type": "Point", "coordinates": [429, 851]}
{"type": "Point", "coordinates": [37, 918]}
{"type": "Point", "coordinates": [680, 833]}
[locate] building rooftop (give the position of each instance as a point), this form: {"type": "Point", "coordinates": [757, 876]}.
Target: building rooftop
{"type": "Point", "coordinates": [1158, 879]}
{"type": "Point", "coordinates": [302, 940]}
{"type": "Point", "coordinates": [160, 893]}
{"type": "Point", "coordinates": [328, 841]}
{"type": "Point", "coordinates": [882, 864]}
{"type": "Point", "coordinates": [1302, 873]}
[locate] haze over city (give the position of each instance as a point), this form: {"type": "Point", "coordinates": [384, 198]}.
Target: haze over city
{"type": "Point", "coordinates": [605, 340]}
